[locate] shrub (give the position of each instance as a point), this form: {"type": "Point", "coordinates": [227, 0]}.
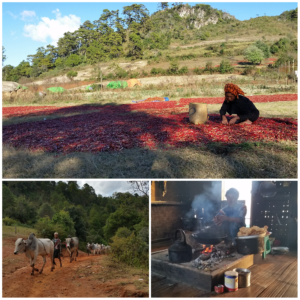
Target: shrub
{"type": "Point", "coordinates": [131, 250]}
{"type": "Point", "coordinates": [225, 67]}
{"type": "Point", "coordinates": [8, 221]}
{"type": "Point", "coordinates": [121, 73]}
{"type": "Point", "coordinates": [249, 70]}
{"type": "Point", "coordinates": [154, 71]}
{"type": "Point", "coordinates": [72, 74]}
{"type": "Point", "coordinates": [263, 47]}
{"type": "Point", "coordinates": [134, 75]}
{"type": "Point", "coordinates": [110, 76]}
{"type": "Point", "coordinates": [198, 71]}
{"type": "Point", "coordinates": [144, 73]}
{"type": "Point", "coordinates": [174, 67]}
{"type": "Point", "coordinates": [183, 70]}
{"type": "Point", "coordinates": [254, 54]}
{"type": "Point", "coordinates": [208, 66]}
{"type": "Point", "coordinates": [274, 49]}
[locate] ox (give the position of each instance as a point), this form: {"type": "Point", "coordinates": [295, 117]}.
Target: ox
{"type": "Point", "coordinates": [72, 244]}
{"type": "Point", "coordinates": [88, 248]}
{"type": "Point", "coordinates": [33, 247]}
{"type": "Point", "coordinates": [98, 248]}
{"type": "Point", "coordinates": [105, 249]}
{"type": "Point", "coordinates": [94, 248]}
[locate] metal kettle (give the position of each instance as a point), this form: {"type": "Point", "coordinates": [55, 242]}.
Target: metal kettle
{"type": "Point", "coordinates": [180, 251]}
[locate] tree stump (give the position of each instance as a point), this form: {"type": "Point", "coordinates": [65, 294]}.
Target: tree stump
{"type": "Point", "coordinates": [198, 113]}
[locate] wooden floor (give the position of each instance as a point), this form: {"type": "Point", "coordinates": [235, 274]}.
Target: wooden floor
{"type": "Point", "coordinates": [276, 276]}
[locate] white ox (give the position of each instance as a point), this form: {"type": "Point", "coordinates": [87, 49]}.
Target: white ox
{"type": "Point", "coordinates": [105, 249]}
{"type": "Point", "coordinates": [98, 248]}
{"type": "Point", "coordinates": [72, 244]}
{"type": "Point", "coordinates": [94, 248]}
{"type": "Point", "coordinates": [33, 247]}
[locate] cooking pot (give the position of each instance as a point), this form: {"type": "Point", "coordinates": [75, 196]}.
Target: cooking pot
{"type": "Point", "coordinates": [180, 251]}
{"type": "Point", "coordinates": [247, 244]}
{"type": "Point", "coordinates": [210, 235]}
{"type": "Point", "coordinates": [208, 238]}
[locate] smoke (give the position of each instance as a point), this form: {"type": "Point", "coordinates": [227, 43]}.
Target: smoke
{"type": "Point", "coordinates": [255, 187]}
{"type": "Point", "coordinates": [206, 204]}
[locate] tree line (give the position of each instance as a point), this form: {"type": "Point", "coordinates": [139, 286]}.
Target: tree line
{"type": "Point", "coordinates": [68, 209]}
{"type": "Point", "coordinates": [115, 34]}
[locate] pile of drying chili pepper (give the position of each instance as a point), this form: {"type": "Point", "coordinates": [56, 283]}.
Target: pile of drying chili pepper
{"type": "Point", "coordinates": [114, 128]}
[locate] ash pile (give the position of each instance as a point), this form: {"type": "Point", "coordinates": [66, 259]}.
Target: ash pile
{"type": "Point", "coordinates": [213, 256]}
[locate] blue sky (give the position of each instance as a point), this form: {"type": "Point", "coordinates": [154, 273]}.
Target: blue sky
{"type": "Point", "coordinates": [29, 25]}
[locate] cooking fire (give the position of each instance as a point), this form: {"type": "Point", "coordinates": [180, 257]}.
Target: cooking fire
{"type": "Point", "coordinates": [214, 255]}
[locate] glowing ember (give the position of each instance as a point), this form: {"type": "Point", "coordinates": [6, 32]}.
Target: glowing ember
{"type": "Point", "coordinates": [208, 249]}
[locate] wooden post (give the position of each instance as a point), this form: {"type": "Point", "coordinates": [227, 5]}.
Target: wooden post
{"type": "Point", "coordinates": [285, 66]}
{"type": "Point", "coordinates": [293, 71]}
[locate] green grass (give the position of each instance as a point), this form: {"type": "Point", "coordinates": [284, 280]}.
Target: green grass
{"type": "Point", "coordinates": [9, 231]}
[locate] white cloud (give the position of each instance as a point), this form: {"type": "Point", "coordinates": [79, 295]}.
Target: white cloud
{"type": "Point", "coordinates": [12, 32]}
{"type": "Point", "coordinates": [107, 188]}
{"type": "Point", "coordinates": [14, 16]}
{"type": "Point", "coordinates": [52, 28]}
{"type": "Point", "coordinates": [27, 15]}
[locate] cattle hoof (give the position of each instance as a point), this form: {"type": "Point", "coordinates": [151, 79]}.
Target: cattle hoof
{"type": "Point", "coordinates": [32, 273]}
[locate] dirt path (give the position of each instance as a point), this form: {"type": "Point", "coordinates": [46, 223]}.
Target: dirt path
{"type": "Point", "coordinates": [236, 39]}
{"type": "Point", "coordinates": [89, 276]}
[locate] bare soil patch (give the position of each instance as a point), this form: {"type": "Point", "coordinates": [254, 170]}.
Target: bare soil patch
{"type": "Point", "coordinates": [89, 276]}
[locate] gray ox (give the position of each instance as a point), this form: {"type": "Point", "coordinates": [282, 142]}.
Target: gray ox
{"type": "Point", "coordinates": [72, 247]}
{"type": "Point", "coordinates": [33, 247]}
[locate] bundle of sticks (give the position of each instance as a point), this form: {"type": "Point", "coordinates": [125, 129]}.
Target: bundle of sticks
{"type": "Point", "coordinates": [254, 230]}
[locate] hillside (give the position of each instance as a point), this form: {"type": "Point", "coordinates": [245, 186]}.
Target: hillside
{"type": "Point", "coordinates": [163, 36]}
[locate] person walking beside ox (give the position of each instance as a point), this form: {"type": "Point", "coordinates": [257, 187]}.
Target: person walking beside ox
{"type": "Point", "coordinates": [57, 248]}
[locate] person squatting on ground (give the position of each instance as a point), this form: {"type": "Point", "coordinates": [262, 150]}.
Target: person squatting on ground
{"type": "Point", "coordinates": [57, 248]}
{"type": "Point", "coordinates": [236, 103]}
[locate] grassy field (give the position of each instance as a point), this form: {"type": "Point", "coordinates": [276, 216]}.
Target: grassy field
{"type": "Point", "coordinates": [175, 87]}
{"type": "Point", "coordinates": [10, 231]}
{"type": "Point", "coordinates": [248, 160]}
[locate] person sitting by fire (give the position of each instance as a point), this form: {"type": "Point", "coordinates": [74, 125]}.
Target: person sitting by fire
{"type": "Point", "coordinates": [232, 216]}
{"type": "Point", "coordinates": [236, 103]}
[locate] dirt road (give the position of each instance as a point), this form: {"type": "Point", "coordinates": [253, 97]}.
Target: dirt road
{"type": "Point", "coordinates": [89, 276]}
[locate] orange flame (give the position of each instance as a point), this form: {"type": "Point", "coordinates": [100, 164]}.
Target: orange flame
{"type": "Point", "coordinates": [208, 249]}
